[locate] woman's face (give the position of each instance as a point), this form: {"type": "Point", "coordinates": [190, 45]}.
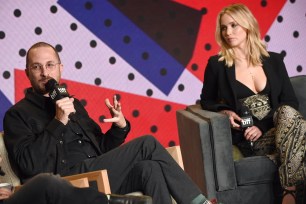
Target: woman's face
{"type": "Point", "coordinates": [233, 34]}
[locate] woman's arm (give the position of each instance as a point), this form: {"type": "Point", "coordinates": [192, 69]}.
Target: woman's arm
{"type": "Point", "coordinates": [210, 99]}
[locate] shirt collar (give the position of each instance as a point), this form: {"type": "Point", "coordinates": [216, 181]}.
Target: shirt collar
{"type": "Point", "coordinates": [38, 99]}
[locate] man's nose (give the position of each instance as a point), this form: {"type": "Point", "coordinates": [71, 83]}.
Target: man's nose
{"type": "Point", "coordinates": [44, 71]}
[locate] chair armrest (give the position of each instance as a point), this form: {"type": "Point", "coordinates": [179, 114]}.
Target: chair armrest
{"type": "Point", "coordinates": [221, 144]}
{"type": "Point", "coordinates": [80, 183]}
{"type": "Point", "coordinates": [100, 177]}
{"type": "Point", "coordinates": [82, 180]}
{"type": "Point", "coordinates": [10, 176]}
{"type": "Point", "coordinates": [205, 140]}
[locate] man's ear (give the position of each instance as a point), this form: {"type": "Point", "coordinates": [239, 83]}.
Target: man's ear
{"type": "Point", "coordinates": [61, 68]}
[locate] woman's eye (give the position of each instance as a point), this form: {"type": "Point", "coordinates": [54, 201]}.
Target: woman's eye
{"type": "Point", "coordinates": [234, 25]}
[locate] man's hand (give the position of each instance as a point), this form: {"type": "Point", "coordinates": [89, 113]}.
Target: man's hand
{"type": "Point", "coordinates": [115, 111]}
{"type": "Point", "coordinates": [64, 107]}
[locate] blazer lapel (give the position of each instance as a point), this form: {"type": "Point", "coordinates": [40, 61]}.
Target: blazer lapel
{"type": "Point", "coordinates": [230, 74]}
{"type": "Point", "coordinates": [269, 71]}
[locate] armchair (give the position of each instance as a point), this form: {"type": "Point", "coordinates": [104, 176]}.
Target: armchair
{"type": "Point", "coordinates": [79, 180]}
{"type": "Point", "coordinates": [100, 178]}
{"type": "Point", "coordinates": [206, 145]}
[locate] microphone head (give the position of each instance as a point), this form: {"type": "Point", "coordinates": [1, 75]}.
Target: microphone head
{"type": "Point", "coordinates": [51, 84]}
{"type": "Point", "coordinates": [247, 120]}
{"type": "Point", "coordinates": [245, 111]}
{"type": "Point", "coordinates": [55, 90]}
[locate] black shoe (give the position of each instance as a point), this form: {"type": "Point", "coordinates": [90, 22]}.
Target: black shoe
{"type": "Point", "coordinates": [301, 193]}
{"type": "Point", "coordinates": [129, 199]}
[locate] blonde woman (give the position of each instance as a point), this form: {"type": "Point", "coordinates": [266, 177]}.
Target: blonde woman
{"type": "Point", "coordinates": [245, 76]}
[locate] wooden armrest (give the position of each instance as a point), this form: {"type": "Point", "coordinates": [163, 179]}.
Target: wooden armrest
{"type": "Point", "coordinates": [76, 182]}
{"type": "Point", "coordinates": [100, 177]}
{"type": "Point", "coordinates": [80, 183]}
{"type": "Point", "coordinates": [175, 152]}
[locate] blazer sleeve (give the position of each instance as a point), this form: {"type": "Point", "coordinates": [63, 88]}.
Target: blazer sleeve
{"type": "Point", "coordinates": [210, 99]}
{"type": "Point", "coordinates": [287, 95]}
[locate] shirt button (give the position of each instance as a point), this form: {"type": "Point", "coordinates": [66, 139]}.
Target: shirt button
{"type": "Point", "coordinates": [61, 142]}
{"type": "Point", "coordinates": [63, 161]}
{"type": "Point", "coordinates": [80, 141]}
{"type": "Point", "coordinates": [63, 134]}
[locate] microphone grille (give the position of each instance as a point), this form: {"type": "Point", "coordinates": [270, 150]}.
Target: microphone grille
{"type": "Point", "coordinates": [50, 85]}
{"type": "Point", "coordinates": [245, 110]}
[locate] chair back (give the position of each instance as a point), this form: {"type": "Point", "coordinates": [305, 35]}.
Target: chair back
{"type": "Point", "coordinates": [10, 176]}
{"type": "Point", "coordinates": [299, 86]}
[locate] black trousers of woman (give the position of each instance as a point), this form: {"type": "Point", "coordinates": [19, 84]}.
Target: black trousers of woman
{"type": "Point", "coordinates": [50, 189]}
{"type": "Point", "coordinates": [145, 165]}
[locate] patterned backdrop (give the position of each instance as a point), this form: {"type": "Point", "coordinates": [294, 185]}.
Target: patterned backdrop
{"type": "Point", "coordinates": [151, 53]}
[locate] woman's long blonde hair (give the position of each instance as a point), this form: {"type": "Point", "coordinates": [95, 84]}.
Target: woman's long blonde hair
{"type": "Point", "coordinates": [256, 48]}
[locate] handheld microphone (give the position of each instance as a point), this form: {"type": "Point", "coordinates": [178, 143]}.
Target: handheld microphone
{"type": "Point", "coordinates": [247, 120]}
{"type": "Point", "coordinates": [57, 92]}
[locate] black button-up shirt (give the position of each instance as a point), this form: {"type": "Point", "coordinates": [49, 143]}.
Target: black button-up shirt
{"type": "Point", "coordinates": [37, 142]}
{"type": "Point", "coordinates": [78, 145]}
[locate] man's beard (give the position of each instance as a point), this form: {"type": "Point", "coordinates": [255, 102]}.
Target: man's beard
{"type": "Point", "coordinates": [39, 89]}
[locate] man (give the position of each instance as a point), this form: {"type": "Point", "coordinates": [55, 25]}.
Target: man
{"type": "Point", "coordinates": [41, 136]}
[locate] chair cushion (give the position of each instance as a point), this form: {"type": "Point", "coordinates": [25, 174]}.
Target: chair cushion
{"type": "Point", "coordinates": [237, 155]}
{"type": "Point", "coordinates": [254, 170]}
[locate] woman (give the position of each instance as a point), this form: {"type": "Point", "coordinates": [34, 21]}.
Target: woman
{"type": "Point", "coordinates": [244, 76]}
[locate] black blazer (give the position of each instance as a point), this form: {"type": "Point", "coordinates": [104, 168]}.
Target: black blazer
{"type": "Point", "coordinates": [218, 91]}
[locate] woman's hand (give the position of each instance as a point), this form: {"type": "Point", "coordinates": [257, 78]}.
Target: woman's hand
{"type": "Point", "coordinates": [115, 110]}
{"type": "Point", "coordinates": [233, 118]}
{"type": "Point", "coordinates": [252, 133]}
{"type": "Point", "coordinates": [5, 193]}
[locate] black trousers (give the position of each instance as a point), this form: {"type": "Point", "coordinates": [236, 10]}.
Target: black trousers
{"type": "Point", "coordinates": [50, 189]}
{"type": "Point", "coordinates": [143, 164]}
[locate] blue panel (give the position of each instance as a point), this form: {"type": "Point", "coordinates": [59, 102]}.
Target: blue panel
{"type": "Point", "coordinates": [5, 104]}
{"type": "Point", "coordinates": [113, 35]}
